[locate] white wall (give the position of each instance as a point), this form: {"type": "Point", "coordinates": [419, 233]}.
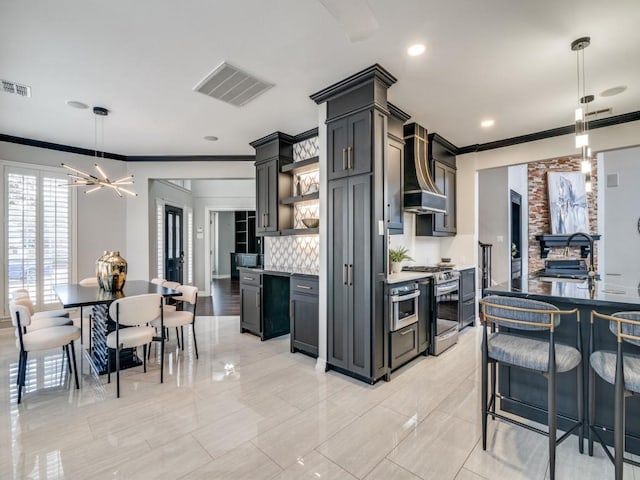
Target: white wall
{"type": "Point", "coordinates": [622, 214]}
{"type": "Point", "coordinates": [226, 241]}
{"type": "Point", "coordinates": [465, 244]}
{"type": "Point", "coordinates": [423, 250]}
{"type": "Point", "coordinates": [100, 216]}
{"type": "Point", "coordinates": [519, 183]}
{"type": "Point", "coordinates": [137, 224]}
{"type": "Point", "coordinates": [493, 219]}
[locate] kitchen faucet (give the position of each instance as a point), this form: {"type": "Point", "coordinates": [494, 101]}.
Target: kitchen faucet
{"type": "Point", "coordinates": [592, 272]}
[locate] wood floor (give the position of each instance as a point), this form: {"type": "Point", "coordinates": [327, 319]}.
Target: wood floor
{"type": "Point", "coordinates": [225, 297]}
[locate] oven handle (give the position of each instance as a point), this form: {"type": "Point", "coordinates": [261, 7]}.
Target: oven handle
{"type": "Point", "coordinates": [446, 288]}
{"type": "Point", "coordinates": [409, 296]}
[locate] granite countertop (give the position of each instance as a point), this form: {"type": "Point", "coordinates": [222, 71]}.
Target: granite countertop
{"type": "Point", "coordinates": [281, 270]}
{"type": "Point", "coordinates": [406, 276]}
{"type": "Point", "coordinates": [621, 292]}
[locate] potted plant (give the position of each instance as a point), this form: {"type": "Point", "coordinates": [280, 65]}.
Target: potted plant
{"type": "Point", "coordinates": [396, 256]}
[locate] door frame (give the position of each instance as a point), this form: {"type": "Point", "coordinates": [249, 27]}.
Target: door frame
{"type": "Point", "coordinates": [179, 231]}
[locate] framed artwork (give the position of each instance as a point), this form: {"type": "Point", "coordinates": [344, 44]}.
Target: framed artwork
{"type": "Point", "coordinates": [567, 203]}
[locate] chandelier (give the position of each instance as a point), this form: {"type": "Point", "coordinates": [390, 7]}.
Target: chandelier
{"type": "Point", "coordinates": [80, 178]}
{"type": "Point", "coordinates": [582, 126]}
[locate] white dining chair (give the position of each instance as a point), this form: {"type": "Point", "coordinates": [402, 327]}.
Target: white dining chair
{"type": "Point", "coordinates": [136, 313]}
{"type": "Point", "coordinates": [180, 318]}
{"type": "Point", "coordinates": [41, 339]}
{"type": "Point", "coordinates": [23, 293]}
{"type": "Point", "coordinates": [41, 320]}
{"type": "Point", "coordinates": [158, 281]}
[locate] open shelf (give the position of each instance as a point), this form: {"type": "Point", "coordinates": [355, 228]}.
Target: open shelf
{"type": "Point", "coordinates": [300, 198]}
{"type": "Point", "coordinates": [303, 166]}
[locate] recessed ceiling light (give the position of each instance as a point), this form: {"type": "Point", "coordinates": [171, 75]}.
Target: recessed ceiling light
{"type": "Point", "coordinates": [211, 138]}
{"type": "Point", "coordinates": [415, 50]}
{"type": "Point", "coordinates": [487, 123]}
{"type": "Point", "coordinates": [610, 92]}
{"type": "Point", "coordinates": [76, 104]}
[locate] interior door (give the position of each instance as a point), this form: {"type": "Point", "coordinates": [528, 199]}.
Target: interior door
{"type": "Point", "coordinates": [174, 249]}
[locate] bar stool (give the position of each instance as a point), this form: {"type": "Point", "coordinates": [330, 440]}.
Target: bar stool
{"type": "Point", "coordinates": [543, 356]}
{"type": "Point", "coordinates": [613, 367]}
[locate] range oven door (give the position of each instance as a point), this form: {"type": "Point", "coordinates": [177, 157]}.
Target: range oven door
{"type": "Point", "coordinates": [404, 310]}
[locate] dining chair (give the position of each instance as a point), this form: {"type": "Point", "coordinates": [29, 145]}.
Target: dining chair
{"type": "Point", "coordinates": [541, 355]}
{"type": "Point", "coordinates": [87, 282]}
{"type": "Point", "coordinates": [136, 313]}
{"type": "Point", "coordinates": [41, 339]}
{"type": "Point", "coordinates": [158, 281]}
{"type": "Point", "coordinates": [41, 320]}
{"type": "Point", "coordinates": [620, 369]}
{"type": "Point", "coordinates": [22, 293]}
{"type": "Point", "coordinates": [185, 316]}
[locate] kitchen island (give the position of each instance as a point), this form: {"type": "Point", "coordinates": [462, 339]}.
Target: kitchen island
{"type": "Point", "coordinates": [525, 393]}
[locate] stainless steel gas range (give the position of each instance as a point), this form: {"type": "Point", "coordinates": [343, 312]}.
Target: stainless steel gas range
{"type": "Point", "coordinates": [444, 292]}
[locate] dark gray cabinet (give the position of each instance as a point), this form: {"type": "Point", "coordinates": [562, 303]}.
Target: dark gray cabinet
{"type": "Point", "coordinates": [272, 152]}
{"type": "Point", "coordinates": [304, 315]}
{"type": "Point", "coordinates": [404, 345]}
{"type": "Point", "coordinates": [250, 302]}
{"type": "Point", "coordinates": [425, 315]}
{"type": "Point", "coordinates": [349, 309]}
{"type": "Point", "coordinates": [349, 145]}
{"type": "Point", "coordinates": [442, 162]}
{"type": "Point", "coordinates": [467, 309]}
{"type": "Point", "coordinates": [394, 171]}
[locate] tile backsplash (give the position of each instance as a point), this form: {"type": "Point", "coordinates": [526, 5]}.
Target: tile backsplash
{"type": "Point", "coordinates": [306, 149]}
{"type": "Point", "coordinates": [296, 254]}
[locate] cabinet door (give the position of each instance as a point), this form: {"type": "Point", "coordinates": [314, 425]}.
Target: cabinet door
{"type": "Point", "coordinates": [404, 345]}
{"type": "Point", "coordinates": [304, 323]}
{"type": "Point", "coordinates": [337, 148]}
{"type": "Point", "coordinates": [262, 191]}
{"type": "Point", "coordinates": [442, 223]}
{"type": "Point", "coordinates": [359, 158]}
{"type": "Point", "coordinates": [250, 308]}
{"type": "Point", "coordinates": [271, 200]}
{"type": "Point", "coordinates": [359, 274]}
{"type": "Point", "coordinates": [424, 317]}
{"type": "Point", "coordinates": [394, 200]}
{"type": "Point", "coordinates": [338, 291]}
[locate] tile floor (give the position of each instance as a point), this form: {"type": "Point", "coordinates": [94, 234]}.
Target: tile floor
{"type": "Point", "coordinates": [251, 410]}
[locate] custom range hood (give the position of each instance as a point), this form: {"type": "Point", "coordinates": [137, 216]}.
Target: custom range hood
{"type": "Point", "coordinates": [421, 195]}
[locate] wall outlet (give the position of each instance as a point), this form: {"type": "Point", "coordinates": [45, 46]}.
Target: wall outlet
{"type": "Point", "coordinates": [500, 239]}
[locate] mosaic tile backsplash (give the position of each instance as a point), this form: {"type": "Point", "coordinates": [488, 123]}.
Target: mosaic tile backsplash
{"type": "Point", "coordinates": [295, 254]}
{"type": "Point", "coordinates": [306, 149]}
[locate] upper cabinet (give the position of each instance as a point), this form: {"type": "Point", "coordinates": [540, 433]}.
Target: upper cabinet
{"type": "Point", "coordinates": [394, 171]}
{"type": "Point", "coordinates": [272, 153]}
{"type": "Point", "coordinates": [349, 144]}
{"type": "Point", "coordinates": [442, 163]}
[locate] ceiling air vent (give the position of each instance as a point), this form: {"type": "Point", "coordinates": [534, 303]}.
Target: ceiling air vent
{"type": "Point", "coordinates": [12, 87]}
{"type": "Point", "coordinates": [232, 85]}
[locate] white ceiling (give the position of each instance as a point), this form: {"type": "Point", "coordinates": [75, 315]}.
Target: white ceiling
{"type": "Point", "coordinates": [504, 59]}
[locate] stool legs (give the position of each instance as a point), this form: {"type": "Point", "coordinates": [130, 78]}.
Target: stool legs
{"type": "Point", "coordinates": [618, 421]}
{"type": "Point", "coordinates": [484, 394]}
{"type": "Point", "coordinates": [592, 406]}
{"type": "Point", "coordinates": [580, 387]}
{"type": "Point", "coordinates": [552, 422]}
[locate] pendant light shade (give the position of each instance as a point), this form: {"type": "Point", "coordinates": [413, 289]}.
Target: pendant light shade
{"type": "Point", "coordinates": [580, 117]}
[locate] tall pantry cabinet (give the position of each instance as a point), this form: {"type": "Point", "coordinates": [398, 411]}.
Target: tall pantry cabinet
{"type": "Point", "coordinates": [357, 115]}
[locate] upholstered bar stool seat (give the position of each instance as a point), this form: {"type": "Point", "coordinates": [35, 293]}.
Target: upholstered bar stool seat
{"type": "Point", "coordinates": [604, 363]}
{"type": "Point", "coordinates": [531, 353]}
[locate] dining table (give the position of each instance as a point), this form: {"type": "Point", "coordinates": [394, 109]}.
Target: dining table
{"type": "Point", "coordinates": [75, 295]}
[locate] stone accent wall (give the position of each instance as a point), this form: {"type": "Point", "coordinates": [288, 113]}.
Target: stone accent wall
{"type": "Point", "coordinates": [539, 220]}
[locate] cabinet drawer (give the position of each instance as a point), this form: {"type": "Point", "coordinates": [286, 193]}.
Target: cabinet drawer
{"type": "Point", "coordinates": [250, 278]}
{"type": "Point", "coordinates": [404, 345]}
{"type": "Point", "coordinates": [304, 285]}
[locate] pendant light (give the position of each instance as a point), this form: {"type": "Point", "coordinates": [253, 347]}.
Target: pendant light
{"type": "Point", "coordinates": [81, 178]}
{"type": "Point", "coordinates": [582, 126]}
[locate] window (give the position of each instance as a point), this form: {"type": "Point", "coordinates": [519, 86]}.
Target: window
{"type": "Point", "coordinates": [38, 233]}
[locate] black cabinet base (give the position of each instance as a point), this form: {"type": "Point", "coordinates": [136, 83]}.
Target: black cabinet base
{"type": "Point", "coordinates": [351, 374]}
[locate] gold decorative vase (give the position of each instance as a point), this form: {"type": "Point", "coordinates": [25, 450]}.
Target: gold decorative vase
{"type": "Point", "coordinates": [112, 272]}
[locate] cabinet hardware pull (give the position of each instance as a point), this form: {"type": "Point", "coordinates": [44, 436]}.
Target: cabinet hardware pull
{"type": "Point", "coordinates": [408, 331]}
{"type": "Point", "coordinates": [303, 287]}
{"type": "Point", "coordinates": [291, 309]}
{"type": "Point", "coordinates": [266, 219]}
{"type": "Point", "coordinates": [258, 300]}
{"type": "Point", "coordinates": [247, 278]}
{"type": "Point", "coordinates": [344, 159]}
{"type": "Point", "coordinates": [351, 274]}
{"type": "Point", "coordinates": [345, 274]}
{"type": "Point", "coordinates": [349, 157]}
